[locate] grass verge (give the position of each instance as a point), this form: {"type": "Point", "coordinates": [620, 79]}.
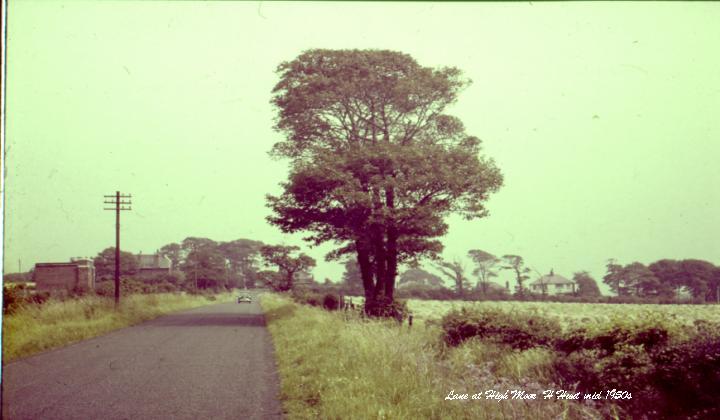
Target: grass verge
{"type": "Point", "coordinates": [36, 328]}
{"type": "Point", "coordinates": [332, 367]}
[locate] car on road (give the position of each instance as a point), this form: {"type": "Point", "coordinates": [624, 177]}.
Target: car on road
{"type": "Point", "coordinates": [244, 299]}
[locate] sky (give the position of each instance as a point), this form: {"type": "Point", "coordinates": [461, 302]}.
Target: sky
{"type": "Point", "coordinates": [603, 118]}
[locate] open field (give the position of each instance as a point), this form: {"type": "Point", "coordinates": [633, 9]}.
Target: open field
{"type": "Point", "coordinates": [571, 314]}
{"type": "Point", "coordinates": [36, 328]}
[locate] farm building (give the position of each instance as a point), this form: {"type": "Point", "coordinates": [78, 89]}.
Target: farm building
{"type": "Point", "coordinates": [152, 265]}
{"type": "Point", "coordinates": [79, 273]}
{"type": "Point", "coordinates": [553, 284]}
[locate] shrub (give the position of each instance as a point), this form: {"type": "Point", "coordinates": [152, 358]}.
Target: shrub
{"type": "Point", "coordinates": [384, 307]}
{"type": "Point", "coordinates": [16, 297]}
{"type": "Point", "coordinates": [687, 376]}
{"type": "Point", "coordinates": [668, 377]}
{"type": "Point", "coordinates": [331, 302]}
{"type": "Point", "coordinates": [13, 298]}
{"type": "Point", "coordinates": [516, 329]}
{"type": "Point", "coordinates": [40, 297]}
{"type": "Point", "coordinates": [307, 297]}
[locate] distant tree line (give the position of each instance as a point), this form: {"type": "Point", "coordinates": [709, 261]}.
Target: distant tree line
{"type": "Point", "coordinates": [202, 263]}
{"type": "Point", "coordinates": [199, 263]}
{"type": "Point", "coordinates": [665, 279]}
{"type": "Point", "coordinates": [662, 281]}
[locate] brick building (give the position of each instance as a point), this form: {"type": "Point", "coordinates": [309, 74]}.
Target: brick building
{"type": "Point", "coordinates": [79, 273]}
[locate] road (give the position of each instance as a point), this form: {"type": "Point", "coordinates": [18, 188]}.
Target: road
{"type": "Point", "coordinates": [214, 362]}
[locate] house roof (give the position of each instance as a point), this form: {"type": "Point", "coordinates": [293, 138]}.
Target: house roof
{"type": "Point", "coordinates": [551, 278]}
{"type": "Point", "coordinates": [153, 261]}
{"type": "Point", "coordinates": [73, 262]}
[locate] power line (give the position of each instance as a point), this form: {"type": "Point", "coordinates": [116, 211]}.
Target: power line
{"type": "Point", "coordinates": [120, 202]}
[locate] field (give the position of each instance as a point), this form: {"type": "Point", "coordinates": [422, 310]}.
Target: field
{"type": "Point", "coordinates": [572, 314]}
{"type": "Point", "coordinates": [594, 360]}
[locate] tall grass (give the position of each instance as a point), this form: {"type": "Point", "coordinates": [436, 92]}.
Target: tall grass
{"type": "Point", "coordinates": [337, 368]}
{"type": "Point", "coordinates": [35, 328]}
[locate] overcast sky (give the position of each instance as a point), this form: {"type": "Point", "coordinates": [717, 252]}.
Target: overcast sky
{"type": "Point", "coordinates": [603, 118]}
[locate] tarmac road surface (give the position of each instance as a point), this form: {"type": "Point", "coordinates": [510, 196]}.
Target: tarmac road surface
{"type": "Point", "coordinates": [214, 362]}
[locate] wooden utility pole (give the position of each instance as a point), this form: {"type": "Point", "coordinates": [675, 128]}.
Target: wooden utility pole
{"type": "Point", "coordinates": [118, 201]}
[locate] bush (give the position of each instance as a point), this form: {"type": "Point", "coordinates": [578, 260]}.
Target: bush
{"type": "Point", "coordinates": [518, 330]}
{"type": "Point", "coordinates": [667, 377]}
{"type": "Point", "coordinates": [307, 297]}
{"type": "Point", "coordinates": [687, 377]}
{"type": "Point", "coordinates": [129, 286]}
{"type": "Point", "coordinates": [16, 297]}
{"type": "Point", "coordinates": [331, 302]}
{"type": "Point", "coordinates": [384, 307]}
{"type": "Point", "coordinates": [13, 298]}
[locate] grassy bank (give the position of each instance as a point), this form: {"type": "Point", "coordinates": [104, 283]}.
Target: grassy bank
{"type": "Point", "coordinates": [336, 368]}
{"type": "Point", "coordinates": [36, 328]}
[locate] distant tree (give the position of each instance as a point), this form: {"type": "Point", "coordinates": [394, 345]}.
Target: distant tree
{"type": "Point", "coordinates": [614, 278]}
{"type": "Point", "coordinates": [713, 293]}
{"type": "Point", "coordinates": [105, 264]}
{"type": "Point", "coordinates": [516, 264]}
{"type": "Point", "coordinates": [205, 268]}
{"type": "Point", "coordinates": [697, 276]}
{"type": "Point", "coordinates": [191, 243]}
{"type": "Point", "coordinates": [288, 265]}
{"type": "Point", "coordinates": [587, 286]}
{"type": "Point", "coordinates": [376, 163]}
{"type": "Point", "coordinates": [485, 268]}
{"type": "Point", "coordinates": [243, 256]}
{"type": "Point", "coordinates": [634, 279]}
{"type": "Point", "coordinates": [174, 252]}
{"type": "Point", "coordinates": [643, 280]}
{"type": "Point", "coordinates": [419, 277]}
{"type": "Point", "coordinates": [455, 271]}
{"type": "Point", "coordinates": [352, 279]}
{"type": "Point", "coordinates": [668, 273]}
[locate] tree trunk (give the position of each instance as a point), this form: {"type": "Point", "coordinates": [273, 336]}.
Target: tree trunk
{"type": "Point", "coordinates": [380, 259]}
{"type": "Point", "coordinates": [366, 270]}
{"type": "Point", "coordinates": [378, 245]}
{"type": "Point", "coordinates": [392, 251]}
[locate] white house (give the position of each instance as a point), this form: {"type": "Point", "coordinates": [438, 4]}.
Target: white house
{"type": "Point", "coordinates": [553, 284]}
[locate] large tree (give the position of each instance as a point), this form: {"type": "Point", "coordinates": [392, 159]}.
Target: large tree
{"type": "Point", "coordinates": [376, 164]}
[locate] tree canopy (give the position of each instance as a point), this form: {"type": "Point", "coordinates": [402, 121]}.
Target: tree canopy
{"type": "Point", "coordinates": [485, 268]}
{"type": "Point", "coordinates": [376, 163]}
{"type": "Point", "coordinates": [287, 264]}
{"type": "Point", "coordinates": [516, 264]}
{"type": "Point", "coordinates": [420, 277]}
{"type": "Point", "coordinates": [587, 286]}
{"type": "Point", "coordinates": [105, 263]}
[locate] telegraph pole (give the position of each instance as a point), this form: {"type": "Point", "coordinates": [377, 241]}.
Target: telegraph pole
{"type": "Point", "coordinates": [119, 202]}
